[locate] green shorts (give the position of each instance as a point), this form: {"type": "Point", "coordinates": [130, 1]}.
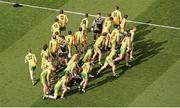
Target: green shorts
{"type": "Point", "coordinates": [32, 68]}
{"type": "Point", "coordinates": [84, 75]}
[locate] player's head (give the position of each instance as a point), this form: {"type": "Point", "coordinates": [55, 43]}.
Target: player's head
{"type": "Point", "coordinates": [134, 28]}
{"type": "Point", "coordinates": [61, 11]}
{"type": "Point", "coordinates": [98, 15]}
{"type": "Point", "coordinates": [80, 28]}
{"type": "Point", "coordinates": [56, 33]}
{"type": "Point", "coordinates": [45, 47]}
{"type": "Point", "coordinates": [69, 32]}
{"type": "Point", "coordinates": [111, 18]}
{"type": "Point", "coordinates": [117, 7]}
{"type": "Point", "coordinates": [86, 15]}
{"type": "Point", "coordinates": [84, 22]}
{"type": "Point", "coordinates": [62, 36]}
{"type": "Point", "coordinates": [56, 20]}
{"type": "Point", "coordinates": [104, 34]}
{"type": "Point", "coordinates": [129, 35]}
{"type": "Point", "coordinates": [126, 16]}
{"type": "Point", "coordinates": [29, 50]}
{"type": "Point", "coordinates": [54, 36]}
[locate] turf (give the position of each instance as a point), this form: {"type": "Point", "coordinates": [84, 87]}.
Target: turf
{"type": "Point", "coordinates": [153, 79]}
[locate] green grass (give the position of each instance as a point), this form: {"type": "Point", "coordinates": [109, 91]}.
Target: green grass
{"type": "Point", "coordinates": [153, 79]}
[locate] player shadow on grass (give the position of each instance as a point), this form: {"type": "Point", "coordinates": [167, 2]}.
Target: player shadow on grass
{"type": "Point", "coordinates": [144, 50]}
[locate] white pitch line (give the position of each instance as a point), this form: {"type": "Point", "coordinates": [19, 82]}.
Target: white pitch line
{"type": "Point", "coordinates": [79, 13]}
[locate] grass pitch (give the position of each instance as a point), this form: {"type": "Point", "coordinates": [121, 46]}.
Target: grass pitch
{"type": "Point", "coordinates": [153, 79]}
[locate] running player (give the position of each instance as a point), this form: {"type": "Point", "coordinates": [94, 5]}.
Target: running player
{"type": "Point", "coordinates": [63, 20]}
{"type": "Point", "coordinates": [84, 22]}
{"type": "Point", "coordinates": [123, 23]}
{"type": "Point", "coordinates": [31, 59]}
{"type": "Point", "coordinates": [86, 68]}
{"type": "Point", "coordinates": [53, 45]}
{"type": "Point", "coordinates": [55, 27]}
{"type": "Point", "coordinates": [77, 39]}
{"type": "Point", "coordinates": [125, 49]}
{"type": "Point", "coordinates": [116, 14]}
{"type": "Point", "coordinates": [84, 35]}
{"type": "Point", "coordinates": [44, 73]}
{"type": "Point", "coordinates": [44, 54]}
{"type": "Point", "coordinates": [98, 25]}
{"type": "Point", "coordinates": [132, 32]}
{"type": "Point", "coordinates": [69, 40]}
{"type": "Point", "coordinates": [106, 28]}
{"type": "Point", "coordinates": [115, 37]}
{"type": "Point", "coordinates": [61, 84]}
{"type": "Point", "coordinates": [109, 61]}
{"type": "Point", "coordinates": [97, 46]}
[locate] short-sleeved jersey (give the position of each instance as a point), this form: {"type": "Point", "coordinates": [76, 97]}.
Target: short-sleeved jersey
{"type": "Point", "coordinates": [31, 59]}
{"type": "Point", "coordinates": [72, 59]}
{"type": "Point", "coordinates": [132, 35]}
{"type": "Point", "coordinates": [62, 19]}
{"type": "Point", "coordinates": [55, 27]}
{"type": "Point", "coordinates": [99, 41]}
{"type": "Point", "coordinates": [125, 42]}
{"type": "Point", "coordinates": [84, 26]}
{"type": "Point", "coordinates": [116, 16]}
{"type": "Point", "coordinates": [88, 55]}
{"type": "Point", "coordinates": [44, 54]}
{"type": "Point", "coordinates": [86, 67]}
{"type": "Point", "coordinates": [77, 37]}
{"type": "Point", "coordinates": [70, 67]}
{"type": "Point", "coordinates": [53, 45]}
{"type": "Point", "coordinates": [69, 39]}
{"type": "Point", "coordinates": [106, 25]}
{"type": "Point", "coordinates": [115, 35]}
{"type": "Point", "coordinates": [123, 22]}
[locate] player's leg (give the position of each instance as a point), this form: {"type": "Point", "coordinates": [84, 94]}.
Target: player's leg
{"type": "Point", "coordinates": [95, 54]}
{"type": "Point", "coordinates": [113, 67]}
{"type": "Point", "coordinates": [99, 55]}
{"type": "Point", "coordinates": [31, 71]}
{"type": "Point", "coordinates": [103, 67]}
{"type": "Point", "coordinates": [127, 59]}
{"type": "Point", "coordinates": [69, 50]}
{"type": "Point", "coordinates": [63, 92]}
{"type": "Point", "coordinates": [85, 83]}
{"type": "Point", "coordinates": [131, 52]}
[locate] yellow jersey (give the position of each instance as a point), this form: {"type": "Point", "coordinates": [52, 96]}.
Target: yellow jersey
{"type": "Point", "coordinates": [69, 39]}
{"type": "Point", "coordinates": [63, 20]}
{"type": "Point", "coordinates": [88, 55]}
{"type": "Point", "coordinates": [99, 41]}
{"type": "Point", "coordinates": [31, 59]}
{"type": "Point", "coordinates": [86, 67]}
{"type": "Point", "coordinates": [55, 27]}
{"type": "Point", "coordinates": [132, 35]}
{"type": "Point", "coordinates": [53, 45]}
{"type": "Point", "coordinates": [116, 17]}
{"type": "Point", "coordinates": [84, 26]}
{"type": "Point", "coordinates": [77, 37]}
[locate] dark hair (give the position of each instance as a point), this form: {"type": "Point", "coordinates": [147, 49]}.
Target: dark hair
{"type": "Point", "coordinates": [99, 13]}
{"type": "Point", "coordinates": [61, 11]}
{"type": "Point", "coordinates": [104, 34]}
{"type": "Point", "coordinates": [80, 28]}
{"type": "Point", "coordinates": [86, 14]}
{"type": "Point", "coordinates": [45, 46]}
{"type": "Point", "coordinates": [111, 18]}
{"type": "Point", "coordinates": [117, 7]}
{"type": "Point", "coordinates": [56, 19]}
{"type": "Point", "coordinates": [56, 33]}
{"type": "Point", "coordinates": [70, 32]}
{"type": "Point", "coordinates": [126, 16]}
